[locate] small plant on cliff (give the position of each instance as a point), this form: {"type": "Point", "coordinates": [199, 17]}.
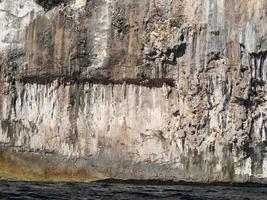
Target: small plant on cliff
{"type": "Point", "coordinates": [176, 22]}
{"type": "Point", "coordinates": [145, 41]}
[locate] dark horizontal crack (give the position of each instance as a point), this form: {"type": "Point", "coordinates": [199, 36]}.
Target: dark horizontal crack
{"type": "Point", "coordinates": [259, 54]}
{"type": "Point", "coordinates": [151, 83]}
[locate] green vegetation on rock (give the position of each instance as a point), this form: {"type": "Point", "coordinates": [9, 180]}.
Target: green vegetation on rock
{"type": "Point", "coordinates": [145, 41]}
{"type": "Point", "coordinates": [176, 22]}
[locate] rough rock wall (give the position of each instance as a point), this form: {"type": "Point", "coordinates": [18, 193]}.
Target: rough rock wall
{"type": "Point", "coordinates": [162, 89]}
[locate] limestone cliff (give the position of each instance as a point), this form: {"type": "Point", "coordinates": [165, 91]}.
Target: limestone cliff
{"type": "Point", "coordinates": [134, 89]}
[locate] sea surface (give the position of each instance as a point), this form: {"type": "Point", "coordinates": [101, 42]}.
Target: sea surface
{"type": "Point", "coordinates": [107, 190]}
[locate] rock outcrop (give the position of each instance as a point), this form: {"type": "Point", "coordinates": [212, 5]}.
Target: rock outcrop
{"type": "Point", "coordinates": [162, 89]}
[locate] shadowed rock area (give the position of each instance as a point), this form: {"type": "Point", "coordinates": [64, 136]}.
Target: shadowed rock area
{"type": "Point", "coordinates": [165, 90]}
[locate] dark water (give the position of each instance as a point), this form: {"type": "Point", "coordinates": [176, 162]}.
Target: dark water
{"type": "Point", "coordinates": [36, 190]}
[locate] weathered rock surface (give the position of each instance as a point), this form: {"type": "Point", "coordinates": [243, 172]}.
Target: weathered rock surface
{"type": "Point", "coordinates": [164, 89]}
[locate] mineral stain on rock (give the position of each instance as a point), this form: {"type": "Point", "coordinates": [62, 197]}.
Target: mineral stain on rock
{"type": "Point", "coordinates": [165, 90]}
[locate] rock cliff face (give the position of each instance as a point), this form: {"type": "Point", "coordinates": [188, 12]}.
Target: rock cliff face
{"type": "Point", "coordinates": [134, 89]}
